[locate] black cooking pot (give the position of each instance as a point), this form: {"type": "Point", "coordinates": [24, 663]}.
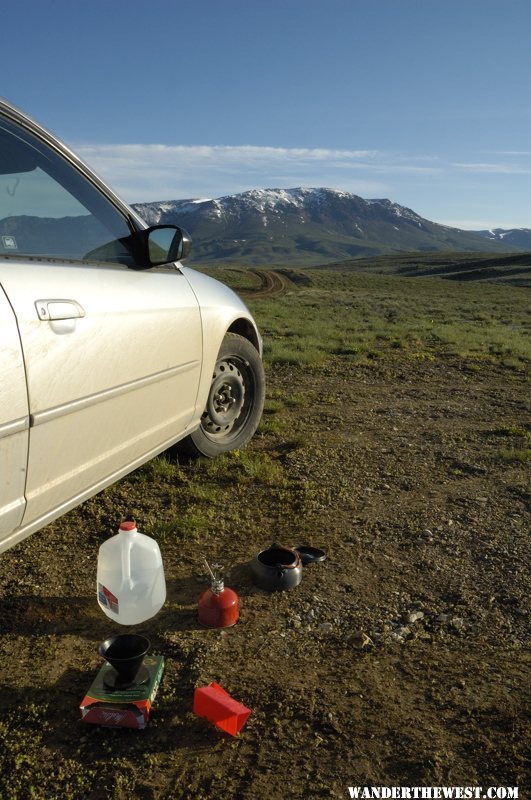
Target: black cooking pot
{"type": "Point", "coordinates": [277, 568]}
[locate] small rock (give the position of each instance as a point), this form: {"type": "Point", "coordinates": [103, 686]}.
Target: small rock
{"type": "Point", "coordinates": [446, 617]}
{"type": "Point", "coordinates": [402, 632]}
{"type": "Point", "coordinates": [360, 640]}
{"type": "Point", "coordinates": [414, 616]}
{"type": "Point", "coordinates": [458, 623]}
{"type": "Point", "coordinates": [325, 627]}
{"type": "Point", "coordinates": [397, 637]}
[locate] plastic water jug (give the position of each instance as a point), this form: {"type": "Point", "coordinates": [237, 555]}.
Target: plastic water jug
{"type": "Point", "coordinates": [130, 580]}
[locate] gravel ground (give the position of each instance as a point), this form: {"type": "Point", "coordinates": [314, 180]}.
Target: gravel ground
{"type": "Point", "coordinates": [401, 660]}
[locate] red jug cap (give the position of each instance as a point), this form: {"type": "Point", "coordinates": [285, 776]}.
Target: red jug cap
{"type": "Point", "coordinates": [128, 525]}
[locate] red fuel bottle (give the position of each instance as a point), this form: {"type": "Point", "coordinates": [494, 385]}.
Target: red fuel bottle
{"type": "Point", "coordinates": [218, 607]}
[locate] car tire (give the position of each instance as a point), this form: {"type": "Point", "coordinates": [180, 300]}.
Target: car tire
{"type": "Point", "coordinates": [235, 400]}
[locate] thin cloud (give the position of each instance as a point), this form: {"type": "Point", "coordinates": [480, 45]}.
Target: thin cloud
{"type": "Point", "coordinates": [512, 153]}
{"type": "Point", "coordinates": [226, 152]}
{"type": "Point", "coordinates": [499, 169]}
{"type": "Point", "coordinates": [154, 171]}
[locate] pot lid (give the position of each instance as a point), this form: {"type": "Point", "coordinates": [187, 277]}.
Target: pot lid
{"type": "Point", "coordinates": [310, 554]}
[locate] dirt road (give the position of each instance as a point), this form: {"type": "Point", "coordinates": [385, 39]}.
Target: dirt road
{"type": "Point", "coordinates": [271, 283]}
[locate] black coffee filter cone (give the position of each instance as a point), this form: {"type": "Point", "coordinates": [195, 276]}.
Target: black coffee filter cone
{"type": "Point", "coordinates": [125, 652]}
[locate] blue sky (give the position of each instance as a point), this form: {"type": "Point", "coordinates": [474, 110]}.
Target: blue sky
{"type": "Point", "coordinates": [427, 102]}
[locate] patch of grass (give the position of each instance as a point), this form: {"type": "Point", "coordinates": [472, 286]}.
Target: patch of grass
{"type": "Point", "coordinates": [216, 470]}
{"type": "Point", "coordinates": [161, 530]}
{"type": "Point", "coordinates": [346, 350]}
{"type": "Point", "coordinates": [273, 405]}
{"type": "Point", "coordinates": [473, 366]}
{"type": "Point", "coordinates": [187, 520]}
{"type": "Point", "coordinates": [203, 492]}
{"type": "Point", "coordinates": [285, 400]}
{"type": "Point", "coordinates": [513, 430]}
{"type": "Point", "coordinates": [354, 314]}
{"type": "Point", "coordinates": [274, 420]}
{"type": "Point", "coordinates": [239, 466]}
{"type": "Point", "coordinates": [193, 524]}
{"type": "Point", "coordinates": [519, 444]}
{"type": "Point", "coordinates": [163, 467]}
{"type": "Point", "coordinates": [421, 356]}
{"type": "Point", "coordinates": [300, 353]}
{"type": "Point", "coordinates": [519, 454]}
{"type": "Point", "coordinates": [271, 425]}
{"type": "Point", "coordinates": [258, 467]}
{"type": "Point", "coordinates": [295, 400]}
{"type": "Point", "coordinates": [374, 354]}
{"type": "Point", "coordinates": [295, 443]}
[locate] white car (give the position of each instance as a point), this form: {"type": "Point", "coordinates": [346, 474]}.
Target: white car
{"type": "Point", "coordinates": [110, 350]}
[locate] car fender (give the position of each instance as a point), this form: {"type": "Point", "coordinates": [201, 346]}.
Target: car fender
{"type": "Point", "coordinates": [221, 311]}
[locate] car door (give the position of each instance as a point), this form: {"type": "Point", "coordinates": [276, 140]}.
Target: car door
{"type": "Point", "coordinates": [112, 353]}
{"type": "Point", "coordinates": [14, 422]}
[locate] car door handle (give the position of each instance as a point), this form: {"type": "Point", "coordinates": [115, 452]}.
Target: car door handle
{"type": "Point", "coordinates": [49, 310]}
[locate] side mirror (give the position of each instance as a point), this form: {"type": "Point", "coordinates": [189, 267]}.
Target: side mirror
{"type": "Point", "coordinates": [166, 243]}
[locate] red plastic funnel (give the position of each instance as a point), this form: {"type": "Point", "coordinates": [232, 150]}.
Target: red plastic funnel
{"type": "Point", "coordinates": [218, 707]}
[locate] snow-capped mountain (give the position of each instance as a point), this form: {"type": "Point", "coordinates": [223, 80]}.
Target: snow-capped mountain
{"type": "Point", "coordinates": [516, 237]}
{"type": "Point", "coordinates": [306, 226]}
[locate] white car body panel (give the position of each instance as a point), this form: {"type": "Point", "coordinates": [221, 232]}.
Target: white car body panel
{"type": "Point", "coordinates": [14, 422]}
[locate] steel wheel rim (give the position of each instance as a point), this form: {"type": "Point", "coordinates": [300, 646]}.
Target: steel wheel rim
{"type": "Point", "coordinates": [228, 399]}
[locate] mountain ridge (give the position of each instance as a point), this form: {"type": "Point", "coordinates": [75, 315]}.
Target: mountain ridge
{"type": "Point", "coordinates": [308, 226]}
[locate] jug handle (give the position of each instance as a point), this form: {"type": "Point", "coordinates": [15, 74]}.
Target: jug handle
{"type": "Point", "coordinates": [126, 562]}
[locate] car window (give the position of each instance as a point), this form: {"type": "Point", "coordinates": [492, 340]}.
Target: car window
{"type": "Point", "coordinates": [49, 209]}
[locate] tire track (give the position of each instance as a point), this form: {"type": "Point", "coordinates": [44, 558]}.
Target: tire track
{"type": "Point", "coordinates": [271, 283]}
